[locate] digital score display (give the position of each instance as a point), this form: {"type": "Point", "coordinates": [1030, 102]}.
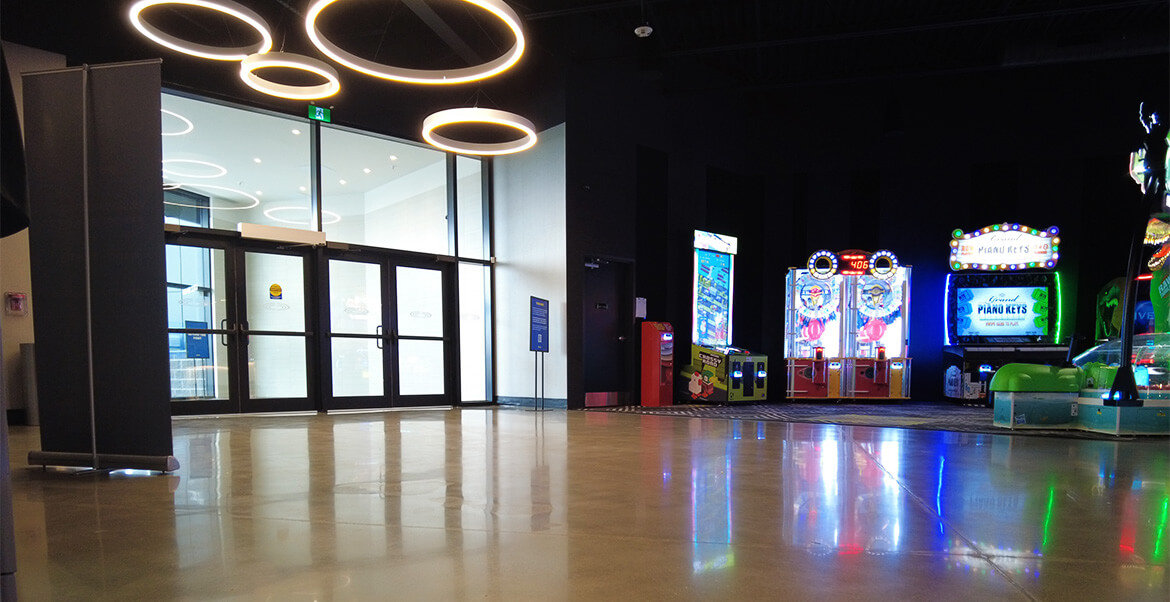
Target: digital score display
{"type": "Point", "coordinates": [853, 264]}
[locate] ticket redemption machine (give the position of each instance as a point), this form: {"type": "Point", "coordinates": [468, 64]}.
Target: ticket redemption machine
{"type": "Point", "coordinates": [719, 372]}
{"type": "Point", "coordinates": [847, 326]}
{"type": "Point", "coordinates": [1002, 305]}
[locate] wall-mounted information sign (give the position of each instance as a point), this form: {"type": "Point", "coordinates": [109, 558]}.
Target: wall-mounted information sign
{"type": "Point", "coordinates": [1005, 247]}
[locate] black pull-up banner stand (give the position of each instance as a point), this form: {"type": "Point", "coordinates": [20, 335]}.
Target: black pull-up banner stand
{"type": "Point", "coordinates": [93, 149]}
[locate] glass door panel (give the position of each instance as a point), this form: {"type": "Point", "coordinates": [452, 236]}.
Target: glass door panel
{"type": "Point", "coordinates": [276, 292]}
{"type": "Point", "coordinates": [274, 332]}
{"type": "Point", "coordinates": [420, 367]}
{"type": "Point", "coordinates": [197, 322]}
{"type": "Point", "coordinates": [357, 334]}
{"type": "Point", "coordinates": [357, 368]}
{"type": "Point", "coordinates": [420, 363]}
{"type": "Point", "coordinates": [420, 302]}
{"type": "Point", "coordinates": [276, 367]}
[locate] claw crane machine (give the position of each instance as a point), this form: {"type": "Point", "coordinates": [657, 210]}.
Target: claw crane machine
{"type": "Point", "coordinates": [847, 326]}
{"type": "Point", "coordinates": [719, 372]}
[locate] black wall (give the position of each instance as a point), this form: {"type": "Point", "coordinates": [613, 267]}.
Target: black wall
{"type": "Point", "coordinates": [894, 164]}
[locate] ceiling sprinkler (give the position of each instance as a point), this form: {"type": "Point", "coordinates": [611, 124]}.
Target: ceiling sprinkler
{"type": "Point", "coordinates": [643, 31]}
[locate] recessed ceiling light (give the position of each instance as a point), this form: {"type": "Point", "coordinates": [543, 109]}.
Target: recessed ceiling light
{"type": "Point", "coordinates": [393, 157]}
{"type": "Point", "coordinates": [296, 132]}
{"type": "Point", "coordinates": [256, 159]}
{"type": "Point", "coordinates": [302, 189]}
{"type": "Point", "coordinates": [366, 170]}
{"type": "Point", "coordinates": [258, 193]}
{"type": "Point", "coordinates": [342, 182]}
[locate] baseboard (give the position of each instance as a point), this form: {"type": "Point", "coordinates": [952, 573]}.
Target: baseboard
{"type": "Point", "coordinates": [530, 402]}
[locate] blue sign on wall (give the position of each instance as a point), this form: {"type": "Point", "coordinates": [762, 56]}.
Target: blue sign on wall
{"type": "Point", "coordinates": [198, 344]}
{"type": "Point", "coordinates": [538, 340]}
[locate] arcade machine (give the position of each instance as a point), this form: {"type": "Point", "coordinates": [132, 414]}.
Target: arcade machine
{"type": "Point", "coordinates": [847, 327]}
{"type": "Point", "coordinates": [1002, 304]}
{"type": "Point", "coordinates": [1121, 387]}
{"type": "Point", "coordinates": [719, 372]}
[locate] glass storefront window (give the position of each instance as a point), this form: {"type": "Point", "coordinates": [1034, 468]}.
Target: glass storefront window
{"type": "Point", "coordinates": [383, 193]}
{"type": "Point", "coordinates": [469, 204]}
{"type": "Point", "coordinates": [223, 166]}
{"type": "Point", "coordinates": [473, 332]}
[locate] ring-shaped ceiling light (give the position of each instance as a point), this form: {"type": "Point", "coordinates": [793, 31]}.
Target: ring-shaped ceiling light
{"type": "Point", "coordinates": [218, 53]}
{"type": "Point", "coordinates": [219, 170]}
{"type": "Point", "coordinates": [195, 188]}
{"type": "Point", "coordinates": [328, 217]}
{"type": "Point", "coordinates": [187, 129]}
{"type": "Point", "coordinates": [478, 115]}
{"type": "Point", "coordinates": [288, 60]}
{"type": "Point", "coordinates": [422, 76]}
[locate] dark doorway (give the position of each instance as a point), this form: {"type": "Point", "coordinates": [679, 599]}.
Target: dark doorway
{"type": "Point", "coordinates": [608, 301]}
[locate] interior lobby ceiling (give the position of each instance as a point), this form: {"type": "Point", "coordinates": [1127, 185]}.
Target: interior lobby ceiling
{"type": "Point", "coordinates": [695, 46]}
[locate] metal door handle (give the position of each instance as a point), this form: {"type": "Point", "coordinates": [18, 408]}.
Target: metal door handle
{"type": "Point", "coordinates": [223, 336]}
{"type": "Point", "coordinates": [378, 341]}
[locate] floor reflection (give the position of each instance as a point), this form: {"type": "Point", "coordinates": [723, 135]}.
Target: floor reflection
{"type": "Point", "coordinates": [513, 504]}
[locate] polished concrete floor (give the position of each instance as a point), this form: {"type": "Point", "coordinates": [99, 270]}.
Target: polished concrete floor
{"type": "Point", "coordinates": [513, 505]}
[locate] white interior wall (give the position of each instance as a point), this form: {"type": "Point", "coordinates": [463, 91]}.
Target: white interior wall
{"type": "Point", "coordinates": [15, 272]}
{"type": "Point", "coordinates": [529, 191]}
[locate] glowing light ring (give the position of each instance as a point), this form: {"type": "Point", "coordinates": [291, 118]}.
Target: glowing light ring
{"type": "Point", "coordinates": [221, 169]}
{"type": "Point", "coordinates": [288, 60]}
{"type": "Point", "coordinates": [196, 186]}
{"type": "Point", "coordinates": [170, 186]}
{"type": "Point", "coordinates": [819, 273]}
{"type": "Point", "coordinates": [478, 115]}
{"type": "Point", "coordinates": [328, 217]}
{"type": "Point", "coordinates": [422, 76]}
{"type": "Point", "coordinates": [190, 126]}
{"type": "Point", "coordinates": [883, 273]}
{"type": "Point", "coordinates": [216, 53]}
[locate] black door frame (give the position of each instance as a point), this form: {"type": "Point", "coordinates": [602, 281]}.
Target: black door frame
{"type": "Point", "coordinates": [233, 330]}
{"type": "Point", "coordinates": [387, 261]}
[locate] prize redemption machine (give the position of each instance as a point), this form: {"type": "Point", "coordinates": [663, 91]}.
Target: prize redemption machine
{"type": "Point", "coordinates": [847, 327]}
{"type": "Point", "coordinates": [719, 372]}
{"type": "Point", "coordinates": [1002, 305]}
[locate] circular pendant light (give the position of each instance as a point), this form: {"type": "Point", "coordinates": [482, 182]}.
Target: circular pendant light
{"type": "Point", "coordinates": [287, 60]}
{"type": "Point", "coordinates": [478, 115]}
{"type": "Point", "coordinates": [198, 187]}
{"type": "Point", "coordinates": [422, 76]}
{"type": "Point", "coordinates": [219, 53]}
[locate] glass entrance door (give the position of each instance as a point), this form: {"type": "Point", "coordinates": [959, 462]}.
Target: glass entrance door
{"type": "Point", "coordinates": [237, 327]}
{"type": "Point", "coordinates": [392, 332]}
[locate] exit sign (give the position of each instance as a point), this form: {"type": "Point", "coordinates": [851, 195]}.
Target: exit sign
{"type": "Point", "coordinates": [320, 114]}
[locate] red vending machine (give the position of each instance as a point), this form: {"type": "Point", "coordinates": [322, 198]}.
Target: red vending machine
{"type": "Point", "coordinates": [657, 364]}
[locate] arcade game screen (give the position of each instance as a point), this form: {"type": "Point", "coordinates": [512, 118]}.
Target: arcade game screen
{"type": "Point", "coordinates": [712, 298]}
{"type": "Point", "coordinates": [1010, 311]}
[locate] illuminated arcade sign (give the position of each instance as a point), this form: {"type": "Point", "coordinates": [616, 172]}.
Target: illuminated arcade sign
{"type": "Point", "coordinates": [1004, 247]}
{"type": "Point", "coordinates": [824, 264]}
{"type": "Point", "coordinates": [720, 243]}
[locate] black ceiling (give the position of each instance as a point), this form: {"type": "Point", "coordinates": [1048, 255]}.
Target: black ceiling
{"type": "Point", "coordinates": [696, 45]}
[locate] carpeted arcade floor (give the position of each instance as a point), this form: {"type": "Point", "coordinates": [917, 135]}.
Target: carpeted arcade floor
{"type": "Point", "coordinates": [914, 415]}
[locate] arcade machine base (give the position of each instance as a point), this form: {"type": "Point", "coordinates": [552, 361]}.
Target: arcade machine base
{"type": "Point", "coordinates": [725, 375]}
{"type": "Point", "coordinates": [848, 378]}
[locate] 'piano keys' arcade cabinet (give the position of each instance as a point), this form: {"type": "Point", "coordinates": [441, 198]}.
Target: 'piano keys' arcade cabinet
{"type": "Point", "coordinates": [719, 372]}
{"type": "Point", "coordinates": [1002, 305]}
{"type": "Point", "coordinates": [847, 327]}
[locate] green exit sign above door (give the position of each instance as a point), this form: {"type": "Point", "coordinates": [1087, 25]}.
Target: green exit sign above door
{"type": "Point", "coordinates": [320, 114]}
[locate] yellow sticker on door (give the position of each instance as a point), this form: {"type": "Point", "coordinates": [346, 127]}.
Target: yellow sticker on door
{"type": "Point", "coordinates": [274, 292]}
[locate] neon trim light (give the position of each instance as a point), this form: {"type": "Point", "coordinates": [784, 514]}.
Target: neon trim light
{"type": "Point", "coordinates": [1005, 247]}
{"type": "Point", "coordinates": [1059, 308]}
{"type": "Point", "coordinates": [947, 311]}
